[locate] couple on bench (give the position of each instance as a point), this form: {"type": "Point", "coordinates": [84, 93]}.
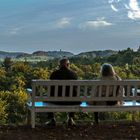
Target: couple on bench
{"type": "Point", "coordinates": [64, 73]}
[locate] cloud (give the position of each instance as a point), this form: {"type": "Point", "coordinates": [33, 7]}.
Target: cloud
{"type": "Point", "coordinates": [94, 24]}
{"type": "Point", "coordinates": [134, 10]}
{"type": "Point", "coordinates": [126, 6]}
{"type": "Point", "coordinates": [114, 8]}
{"type": "Point", "coordinates": [63, 22]}
{"type": "Point", "coordinates": [134, 14]}
{"type": "Point", "coordinates": [13, 31]}
{"type": "Point", "coordinates": [110, 1]}
{"type": "Point", "coordinates": [133, 4]}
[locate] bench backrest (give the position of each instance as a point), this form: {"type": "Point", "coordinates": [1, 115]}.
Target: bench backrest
{"type": "Point", "coordinates": [86, 90]}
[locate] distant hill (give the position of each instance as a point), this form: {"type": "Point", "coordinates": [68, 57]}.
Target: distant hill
{"type": "Point", "coordinates": [93, 54]}
{"type": "Point", "coordinates": [54, 54]}
{"type": "Point", "coordinates": [4, 54]}
{"type": "Point", "coordinates": [40, 53]}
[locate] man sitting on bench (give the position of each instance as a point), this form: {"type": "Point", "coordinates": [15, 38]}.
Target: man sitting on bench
{"type": "Point", "coordinates": [63, 73]}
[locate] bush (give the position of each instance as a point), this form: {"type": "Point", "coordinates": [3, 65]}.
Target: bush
{"type": "Point", "coordinates": [3, 114]}
{"type": "Point", "coordinates": [15, 106]}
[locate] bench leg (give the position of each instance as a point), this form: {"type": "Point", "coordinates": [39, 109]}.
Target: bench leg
{"type": "Point", "coordinates": [28, 117]}
{"type": "Point", "coordinates": [96, 117]}
{"type": "Point", "coordinates": [33, 119]}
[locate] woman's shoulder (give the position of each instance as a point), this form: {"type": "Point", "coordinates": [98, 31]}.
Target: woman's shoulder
{"type": "Point", "coordinates": [117, 77]}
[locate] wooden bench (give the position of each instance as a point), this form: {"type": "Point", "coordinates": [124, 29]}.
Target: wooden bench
{"type": "Point", "coordinates": [86, 92]}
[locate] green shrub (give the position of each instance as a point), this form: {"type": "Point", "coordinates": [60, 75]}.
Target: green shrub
{"type": "Point", "coordinates": [15, 105]}
{"type": "Point", "coordinates": [3, 114]}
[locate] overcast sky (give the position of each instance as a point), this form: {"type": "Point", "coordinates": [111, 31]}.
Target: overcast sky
{"type": "Point", "coordinates": [70, 25]}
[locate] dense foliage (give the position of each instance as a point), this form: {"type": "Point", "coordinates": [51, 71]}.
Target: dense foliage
{"type": "Point", "coordinates": [15, 77]}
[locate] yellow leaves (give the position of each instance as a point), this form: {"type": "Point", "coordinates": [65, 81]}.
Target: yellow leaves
{"type": "Point", "coordinates": [21, 67]}
{"type": "Point", "coordinates": [40, 73]}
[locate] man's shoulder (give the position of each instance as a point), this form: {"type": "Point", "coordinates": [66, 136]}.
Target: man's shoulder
{"type": "Point", "coordinates": [70, 70]}
{"type": "Point", "coordinates": [63, 74]}
{"type": "Point", "coordinates": [54, 74]}
{"type": "Point", "coordinates": [73, 74]}
{"type": "Point", "coordinates": [55, 71]}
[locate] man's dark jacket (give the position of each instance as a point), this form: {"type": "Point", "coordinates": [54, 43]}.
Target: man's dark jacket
{"type": "Point", "coordinates": [63, 74]}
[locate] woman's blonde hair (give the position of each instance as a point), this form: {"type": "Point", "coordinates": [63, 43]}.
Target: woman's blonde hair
{"type": "Point", "coordinates": [107, 70]}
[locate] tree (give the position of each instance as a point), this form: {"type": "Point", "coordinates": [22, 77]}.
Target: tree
{"type": "Point", "coordinates": [21, 67]}
{"type": "Point", "coordinates": [138, 50]}
{"type": "Point", "coordinates": [7, 63]}
{"type": "Point", "coordinates": [79, 72]}
{"type": "Point", "coordinates": [40, 73]}
{"type": "Point", "coordinates": [14, 108]}
{"type": "Point", "coordinates": [136, 61]}
{"type": "Point", "coordinates": [3, 114]}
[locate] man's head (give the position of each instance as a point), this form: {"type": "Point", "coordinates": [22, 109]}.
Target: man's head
{"type": "Point", "coordinates": [64, 62]}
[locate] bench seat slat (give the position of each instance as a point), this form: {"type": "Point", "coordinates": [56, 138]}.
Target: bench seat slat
{"type": "Point", "coordinates": [86, 109]}
{"type": "Point", "coordinates": [82, 98]}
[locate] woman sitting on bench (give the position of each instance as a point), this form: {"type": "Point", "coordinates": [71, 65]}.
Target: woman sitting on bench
{"type": "Point", "coordinates": [107, 73]}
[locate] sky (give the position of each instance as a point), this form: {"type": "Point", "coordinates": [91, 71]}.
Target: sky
{"type": "Point", "coordinates": [69, 25]}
